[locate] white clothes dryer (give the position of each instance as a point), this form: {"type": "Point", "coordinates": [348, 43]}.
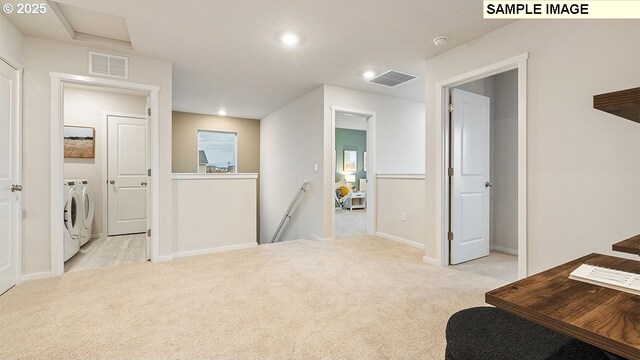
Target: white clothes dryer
{"type": "Point", "coordinates": [87, 210]}
{"type": "Point", "coordinates": [71, 219]}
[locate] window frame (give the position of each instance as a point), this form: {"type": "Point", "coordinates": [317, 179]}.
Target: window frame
{"type": "Point", "coordinates": [216, 131]}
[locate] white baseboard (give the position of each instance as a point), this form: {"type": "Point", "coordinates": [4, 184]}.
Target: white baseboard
{"type": "Point", "coordinates": [36, 276]}
{"type": "Point", "coordinates": [215, 250]}
{"type": "Point", "coordinates": [318, 238]}
{"type": "Point", "coordinates": [430, 261]}
{"type": "Point", "coordinates": [505, 250]}
{"type": "Point", "coordinates": [163, 258]}
{"type": "Point", "coordinates": [97, 236]}
{"type": "Point", "coordinates": [400, 240]}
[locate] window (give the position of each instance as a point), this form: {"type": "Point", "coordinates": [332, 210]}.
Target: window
{"type": "Point", "coordinates": [217, 152]}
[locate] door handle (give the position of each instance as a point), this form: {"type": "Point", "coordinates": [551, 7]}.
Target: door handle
{"type": "Point", "coordinates": [16, 187]}
{"type": "Point", "coordinates": [144, 183]}
{"type": "Point", "coordinates": [112, 182]}
{"type": "Point", "coordinates": [488, 184]}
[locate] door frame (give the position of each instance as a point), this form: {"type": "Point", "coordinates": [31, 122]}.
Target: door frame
{"type": "Point", "coordinates": [17, 212]}
{"type": "Point", "coordinates": [442, 100]}
{"type": "Point", "coordinates": [371, 166]}
{"type": "Point", "coordinates": [105, 168]}
{"type": "Point", "coordinates": [57, 157]}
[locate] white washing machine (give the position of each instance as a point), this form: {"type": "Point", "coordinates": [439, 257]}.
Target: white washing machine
{"type": "Point", "coordinates": [87, 210]}
{"type": "Point", "coordinates": [71, 219]}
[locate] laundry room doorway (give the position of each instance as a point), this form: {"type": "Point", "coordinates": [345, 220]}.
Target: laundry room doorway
{"type": "Point", "coordinates": [107, 183]}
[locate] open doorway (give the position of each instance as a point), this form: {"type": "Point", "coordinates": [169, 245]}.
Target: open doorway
{"type": "Point", "coordinates": [350, 174]}
{"type": "Point", "coordinates": [353, 149]}
{"type": "Point", "coordinates": [483, 176]}
{"type": "Point", "coordinates": [105, 171]}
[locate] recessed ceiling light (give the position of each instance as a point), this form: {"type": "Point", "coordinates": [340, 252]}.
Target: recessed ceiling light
{"type": "Point", "coordinates": [290, 39]}
{"type": "Point", "coordinates": [368, 74]}
{"type": "Point", "coordinates": [222, 112]}
{"type": "Point", "coordinates": [440, 40]}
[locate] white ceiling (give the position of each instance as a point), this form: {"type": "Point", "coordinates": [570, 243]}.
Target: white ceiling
{"type": "Point", "coordinates": [95, 23]}
{"type": "Point", "coordinates": [225, 53]}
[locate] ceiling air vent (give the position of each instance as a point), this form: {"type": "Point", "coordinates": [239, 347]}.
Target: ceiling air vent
{"type": "Point", "coordinates": [392, 78]}
{"type": "Point", "coordinates": [108, 65]}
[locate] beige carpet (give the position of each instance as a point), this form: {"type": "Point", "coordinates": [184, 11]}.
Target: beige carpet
{"type": "Point", "coordinates": [353, 298]}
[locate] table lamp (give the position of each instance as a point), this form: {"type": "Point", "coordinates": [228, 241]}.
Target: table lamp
{"type": "Point", "coordinates": [350, 179]}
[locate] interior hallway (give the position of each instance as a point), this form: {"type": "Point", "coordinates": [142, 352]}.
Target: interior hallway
{"type": "Point", "coordinates": [350, 222]}
{"type": "Point", "coordinates": [358, 298]}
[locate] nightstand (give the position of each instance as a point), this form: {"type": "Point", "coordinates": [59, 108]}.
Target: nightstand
{"type": "Point", "coordinates": [358, 200]}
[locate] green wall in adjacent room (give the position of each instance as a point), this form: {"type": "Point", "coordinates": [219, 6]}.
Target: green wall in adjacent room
{"type": "Point", "coordinates": [347, 139]}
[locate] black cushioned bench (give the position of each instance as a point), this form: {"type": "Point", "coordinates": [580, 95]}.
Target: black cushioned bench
{"type": "Point", "coordinates": [493, 334]}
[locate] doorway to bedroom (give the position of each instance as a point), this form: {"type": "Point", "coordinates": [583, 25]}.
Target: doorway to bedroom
{"type": "Point", "coordinates": [350, 178]}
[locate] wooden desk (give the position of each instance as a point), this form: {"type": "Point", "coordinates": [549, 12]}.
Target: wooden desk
{"type": "Point", "coordinates": [606, 318]}
{"type": "Point", "coordinates": [631, 245]}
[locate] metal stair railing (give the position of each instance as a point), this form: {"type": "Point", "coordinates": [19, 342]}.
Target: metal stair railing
{"type": "Point", "coordinates": [287, 215]}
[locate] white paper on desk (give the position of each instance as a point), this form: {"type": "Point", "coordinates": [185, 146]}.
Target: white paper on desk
{"type": "Point", "coordinates": [609, 278]}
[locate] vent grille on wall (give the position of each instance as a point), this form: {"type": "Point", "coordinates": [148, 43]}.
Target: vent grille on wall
{"type": "Point", "coordinates": [108, 65]}
{"type": "Point", "coordinates": [392, 78]}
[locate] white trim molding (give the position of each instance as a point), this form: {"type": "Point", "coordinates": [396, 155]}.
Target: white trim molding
{"type": "Point", "coordinates": [401, 176]}
{"type": "Point", "coordinates": [57, 159]}
{"type": "Point", "coordinates": [164, 258]}
{"type": "Point", "coordinates": [505, 250]}
{"type": "Point", "coordinates": [318, 238]}
{"type": "Point", "coordinates": [36, 276]}
{"type": "Point", "coordinates": [215, 250]}
{"type": "Point", "coordinates": [430, 261]}
{"type": "Point", "coordinates": [440, 175]}
{"type": "Point", "coordinates": [178, 176]}
{"type": "Point", "coordinates": [400, 240]}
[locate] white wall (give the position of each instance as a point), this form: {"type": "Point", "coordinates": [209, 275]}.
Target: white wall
{"type": "Point", "coordinates": [84, 107]}
{"type": "Point", "coordinates": [583, 164]}
{"type": "Point", "coordinates": [291, 144]}
{"type": "Point", "coordinates": [399, 127]}
{"type": "Point", "coordinates": [39, 58]}
{"type": "Point", "coordinates": [396, 195]}
{"type": "Point", "coordinates": [214, 213]}
{"type": "Point", "coordinates": [400, 145]}
{"type": "Point", "coordinates": [10, 41]}
{"type": "Point", "coordinates": [346, 121]}
{"type": "Point", "coordinates": [504, 163]}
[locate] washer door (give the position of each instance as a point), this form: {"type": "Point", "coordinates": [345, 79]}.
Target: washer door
{"type": "Point", "coordinates": [72, 219]}
{"type": "Point", "coordinates": [88, 208]}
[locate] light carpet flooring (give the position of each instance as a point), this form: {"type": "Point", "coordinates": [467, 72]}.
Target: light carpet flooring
{"type": "Point", "coordinates": [357, 297]}
{"type": "Point", "coordinates": [110, 251]}
{"type": "Point", "coordinates": [497, 265]}
{"type": "Point", "coordinates": [349, 222]}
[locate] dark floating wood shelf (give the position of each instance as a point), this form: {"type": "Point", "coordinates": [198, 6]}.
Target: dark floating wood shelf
{"type": "Point", "coordinates": [624, 103]}
{"type": "Point", "coordinates": [631, 245]}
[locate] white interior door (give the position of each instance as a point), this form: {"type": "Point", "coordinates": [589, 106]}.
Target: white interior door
{"type": "Point", "coordinates": [10, 190]}
{"type": "Point", "coordinates": [470, 183]}
{"type": "Point", "coordinates": [127, 164]}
